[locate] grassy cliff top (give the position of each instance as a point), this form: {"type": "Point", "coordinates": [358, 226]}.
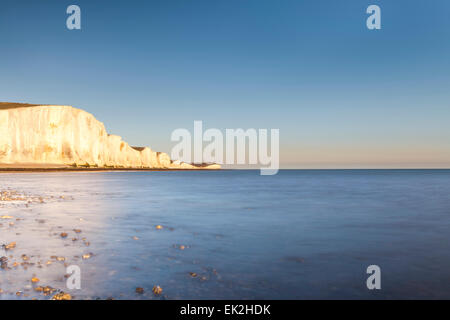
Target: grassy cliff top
{"type": "Point", "coordinates": [12, 105]}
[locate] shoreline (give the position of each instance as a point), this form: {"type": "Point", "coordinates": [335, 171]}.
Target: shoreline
{"type": "Point", "coordinates": [69, 169]}
{"type": "Point", "coordinates": [102, 169]}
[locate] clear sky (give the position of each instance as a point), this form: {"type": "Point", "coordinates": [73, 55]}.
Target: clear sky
{"type": "Point", "coordinates": [341, 95]}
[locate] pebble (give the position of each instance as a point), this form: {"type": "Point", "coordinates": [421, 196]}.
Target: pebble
{"type": "Point", "coordinates": [62, 296]}
{"type": "Point", "coordinates": [4, 263]}
{"type": "Point", "coordinates": [139, 290]}
{"type": "Point", "coordinates": [86, 256]}
{"type": "Point", "coordinates": [157, 290]}
{"type": "Point", "coordinates": [45, 290]}
{"type": "Point", "coordinates": [10, 246]}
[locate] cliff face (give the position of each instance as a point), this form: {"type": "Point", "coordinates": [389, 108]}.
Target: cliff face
{"type": "Point", "coordinates": [65, 135]}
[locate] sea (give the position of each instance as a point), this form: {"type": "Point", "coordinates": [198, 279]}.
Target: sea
{"type": "Point", "coordinates": [228, 234]}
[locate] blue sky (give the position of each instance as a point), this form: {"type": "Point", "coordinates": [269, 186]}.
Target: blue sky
{"type": "Point", "coordinates": [341, 95]}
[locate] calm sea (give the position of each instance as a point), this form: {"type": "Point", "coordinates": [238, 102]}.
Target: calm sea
{"type": "Point", "coordinates": [301, 234]}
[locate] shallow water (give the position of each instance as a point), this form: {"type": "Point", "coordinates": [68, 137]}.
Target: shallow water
{"type": "Point", "coordinates": [297, 235]}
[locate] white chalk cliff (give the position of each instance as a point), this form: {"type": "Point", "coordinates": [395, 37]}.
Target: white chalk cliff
{"type": "Point", "coordinates": [63, 135]}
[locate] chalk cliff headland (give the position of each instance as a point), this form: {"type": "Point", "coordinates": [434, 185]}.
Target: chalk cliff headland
{"type": "Point", "coordinates": [45, 135]}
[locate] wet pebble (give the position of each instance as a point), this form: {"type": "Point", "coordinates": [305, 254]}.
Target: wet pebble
{"type": "Point", "coordinates": [87, 256]}
{"type": "Point", "coordinates": [139, 290]}
{"type": "Point", "coordinates": [9, 246]}
{"type": "Point", "coordinates": [157, 290]}
{"type": "Point", "coordinates": [62, 296]}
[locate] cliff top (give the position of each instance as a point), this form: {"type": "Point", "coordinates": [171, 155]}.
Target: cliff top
{"type": "Point", "coordinates": [12, 105]}
{"type": "Point", "coordinates": [15, 105]}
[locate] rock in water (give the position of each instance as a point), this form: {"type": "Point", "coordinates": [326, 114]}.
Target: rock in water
{"type": "Point", "coordinates": [157, 290]}
{"type": "Point", "coordinates": [139, 290]}
{"type": "Point", "coordinates": [4, 262]}
{"type": "Point", "coordinates": [62, 296]}
{"type": "Point", "coordinates": [63, 135]}
{"type": "Point", "coordinates": [9, 246]}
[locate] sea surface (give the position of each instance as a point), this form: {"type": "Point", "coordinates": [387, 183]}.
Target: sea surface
{"type": "Point", "coordinates": [301, 234]}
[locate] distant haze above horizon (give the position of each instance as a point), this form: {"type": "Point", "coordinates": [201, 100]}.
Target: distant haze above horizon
{"type": "Point", "coordinates": [342, 96]}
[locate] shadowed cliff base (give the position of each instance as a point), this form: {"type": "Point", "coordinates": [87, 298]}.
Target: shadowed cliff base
{"type": "Point", "coordinates": [64, 168]}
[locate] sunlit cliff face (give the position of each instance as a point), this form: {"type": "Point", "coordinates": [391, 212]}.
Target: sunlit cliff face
{"type": "Point", "coordinates": [65, 135]}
